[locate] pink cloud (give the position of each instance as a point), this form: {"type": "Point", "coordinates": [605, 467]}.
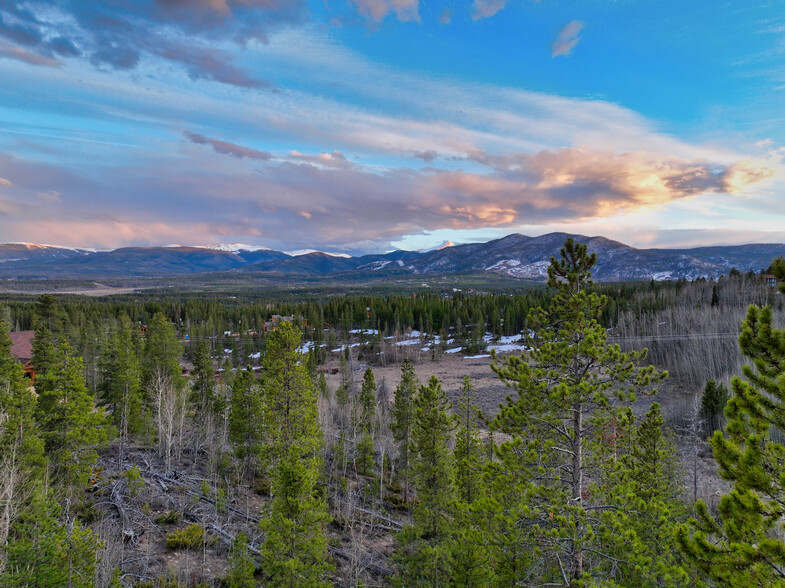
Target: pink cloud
{"type": "Point", "coordinates": [567, 38]}
{"type": "Point", "coordinates": [12, 52]}
{"type": "Point", "coordinates": [227, 148]}
{"type": "Point", "coordinates": [487, 8]}
{"type": "Point", "coordinates": [377, 10]}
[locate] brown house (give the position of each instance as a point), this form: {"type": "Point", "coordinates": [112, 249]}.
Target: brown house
{"type": "Point", "coordinates": [22, 350]}
{"type": "Point", "coordinates": [770, 280]}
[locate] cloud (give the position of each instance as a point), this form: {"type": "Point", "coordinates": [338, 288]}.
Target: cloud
{"type": "Point", "coordinates": [336, 159]}
{"type": "Point", "coordinates": [5, 183]}
{"type": "Point", "coordinates": [377, 10]}
{"type": "Point", "coordinates": [445, 17]}
{"type": "Point", "coordinates": [11, 52]}
{"type": "Point", "coordinates": [210, 64]}
{"type": "Point", "coordinates": [486, 8]}
{"type": "Point", "coordinates": [428, 156]}
{"type": "Point", "coordinates": [567, 38]}
{"type": "Point", "coordinates": [120, 34]}
{"type": "Point", "coordinates": [306, 200]}
{"type": "Point", "coordinates": [227, 148]}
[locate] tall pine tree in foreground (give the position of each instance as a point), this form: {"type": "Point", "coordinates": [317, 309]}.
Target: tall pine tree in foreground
{"type": "Point", "coordinates": [570, 386]}
{"type": "Point", "coordinates": [743, 545]}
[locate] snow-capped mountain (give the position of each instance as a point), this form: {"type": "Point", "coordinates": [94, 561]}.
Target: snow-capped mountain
{"type": "Point", "coordinates": [516, 256]}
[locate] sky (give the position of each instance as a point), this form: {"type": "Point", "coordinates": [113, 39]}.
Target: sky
{"type": "Point", "coordinates": [369, 125]}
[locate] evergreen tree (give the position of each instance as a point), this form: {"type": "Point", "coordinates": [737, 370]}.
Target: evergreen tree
{"type": "Point", "coordinates": [366, 423]}
{"type": "Point", "coordinates": [715, 397]}
{"type": "Point", "coordinates": [49, 325]}
{"type": "Point", "coordinates": [70, 426]}
{"type": "Point", "coordinates": [47, 553]}
{"type": "Point", "coordinates": [467, 453]}
{"type": "Point", "coordinates": [744, 545]}
{"type": "Point", "coordinates": [162, 353]}
{"type": "Point", "coordinates": [568, 385]}
{"type": "Point", "coordinates": [246, 415]}
{"type": "Point", "coordinates": [468, 559]}
{"type": "Point", "coordinates": [241, 565]}
{"type": "Point", "coordinates": [120, 386]}
{"type": "Point", "coordinates": [21, 449]}
{"type": "Point", "coordinates": [424, 552]}
{"type": "Point", "coordinates": [207, 405]}
{"type": "Point", "coordinates": [402, 417]}
{"type": "Point", "coordinates": [295, 549]}
{"type": "Point", "coordinates": [289, 397]}
{"type": "Point", "coordinates": [643, 484]}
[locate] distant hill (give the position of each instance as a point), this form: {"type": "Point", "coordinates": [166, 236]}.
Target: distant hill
{"type": "Point", "coordinates": [517, 256]}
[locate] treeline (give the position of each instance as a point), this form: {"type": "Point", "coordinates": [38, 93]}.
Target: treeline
{"type": "Point", "coordinates": [238, 322]}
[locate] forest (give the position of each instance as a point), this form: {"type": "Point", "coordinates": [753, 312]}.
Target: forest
{"type": "Point", "coordinates": [241, 439]}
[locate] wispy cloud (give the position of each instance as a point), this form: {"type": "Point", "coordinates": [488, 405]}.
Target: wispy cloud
{"type": "Point", "coordinates": [227, 148]}
{"type": "Point", "coordinates": [18, 53]}
{"type": "Point", "coordinates": [486, 8]}
{"type": "Point", "coordinates": [567, 38]}
{"type": "Point", "coordinates": [377, 10]}
{"type": "Point", "coordinates": [120, 35]}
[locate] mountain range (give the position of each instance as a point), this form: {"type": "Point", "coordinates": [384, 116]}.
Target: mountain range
{"type": "Point", "coordinates": [515, 255]}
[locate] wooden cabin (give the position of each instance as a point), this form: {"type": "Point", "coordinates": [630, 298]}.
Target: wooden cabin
{"type": "Point", "coordinates": [22, 350]}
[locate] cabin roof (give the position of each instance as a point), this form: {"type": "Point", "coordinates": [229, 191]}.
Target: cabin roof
{"type": "Point", "coordinates": [22, 345]}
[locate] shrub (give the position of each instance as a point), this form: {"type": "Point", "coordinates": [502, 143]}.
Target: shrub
{"type": "Point", "coordinates": [192, 537]}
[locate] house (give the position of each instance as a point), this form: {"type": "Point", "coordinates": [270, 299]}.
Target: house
{"type": "Point", "coordinates": [22, 351]}
{"type": "Point", "coordinates": [276, 321]}
{"type": "Point", "coordinates": [770, 280]}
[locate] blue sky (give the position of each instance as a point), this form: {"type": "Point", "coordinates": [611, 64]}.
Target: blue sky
{"type": "Point", "coordinates": [364, 125]}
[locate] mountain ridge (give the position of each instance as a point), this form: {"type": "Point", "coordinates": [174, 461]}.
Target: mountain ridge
{"type": "Point", "coordinates": [515, 255]}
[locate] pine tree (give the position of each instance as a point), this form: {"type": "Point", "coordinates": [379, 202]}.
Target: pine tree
{"type": "Point", "coordinates": [246, 416]}
{"type": "Point", "coordinates": [47, 553]}
{"type": "Point", "coordinates": [22, 458]}
{"type": "Point", "coordinates": [70, 426]}
{"type": "Point", "coordinates": [567, 387]}
{"type": "Point", "coordinates": [715, 397]}
{"type": "Point", "coordinates": [643, 484]}
{"type": "Point", "coordinates": [467, 453]}
{"type": "Point", "coordinates": [366, 418]}
{"type": "Point", "coordinates": [289, 396]}
{"type": "Point", "coordinates": [49, 325]}
{"type": "Point", "coordinates": [402, 417]}
{"type": "Point", "coordinates": [121, 380]}
{"type": "Point", "coordinates": [424, 552]}
{"type": "Point", "coordinates": [207, 405]}
{"type": "Point", "coordinates": [241, 565]}
{"type": "Point", "coordinates": [468, 558]}
{"type": "Point", "coordinates": [162, 353]}
{"type": "Point", "coordinates": [744, 545]}
{"type": "Point", "coordinates": [295, 549]}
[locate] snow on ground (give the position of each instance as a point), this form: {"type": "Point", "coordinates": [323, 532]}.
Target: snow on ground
{"type": "Point", "coordinates": [454, 350]}
{"type": "Point", "coordinates": [477, 356]}
{"type": "Point", "coordinates": [227, 350]}
{"type": "Point", "coordinates": [305, 347]}
{"type": "Point", "coordinates": [366, 331]}
{"type": "Point", "coordinates": [342, 347]}
{"type": "Point", "coordinates": [256, 355]}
